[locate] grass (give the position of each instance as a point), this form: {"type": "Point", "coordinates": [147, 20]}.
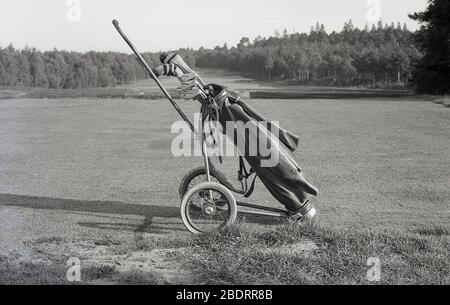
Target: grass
{"type": "Point", "coordinates": [97, 272]}
{"type": "Point", "coordinates": [104, 165]}
{"type": "Point", "coordinates": [48, 240]}
{"type": "Point", "coordinates": [31, 273]}
{"type": "Point", "coordinates": [241, 257]}
{"type": "Point", "coordinates": [108, 273]}
{"type": "Point", "coordinates": [336, 94]}
{"type": "Point", "coordinates": [138, 243]}
{"type": "Point", "coordinates": [27, 273]}
{"type": "Point", "coordinates": [137, 277]}
{"type": "Point", "coordinates": [434, 229]}
{"type": "Point", "coordinates": [108, 93]}
{"type": "Point", "coordinates": [13, 272]}
{"type": "Point", "coordinates": [445, 100]}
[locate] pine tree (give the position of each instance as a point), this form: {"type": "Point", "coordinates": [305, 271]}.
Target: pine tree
{"type": "Point", "coordinates": [432, 74]}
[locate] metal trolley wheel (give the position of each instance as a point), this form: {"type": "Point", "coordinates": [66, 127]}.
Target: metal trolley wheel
{"type": "Point", "coordinates": [208, 207]}
{"type": "Point", "coordinates": [194, 177]}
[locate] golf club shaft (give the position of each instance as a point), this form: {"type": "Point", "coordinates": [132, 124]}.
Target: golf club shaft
{"type": "Point", "coordinates": [152, 75]}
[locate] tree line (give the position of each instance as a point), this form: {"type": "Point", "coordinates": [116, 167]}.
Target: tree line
{"type": "Point", "coordinates": [70, 70]}
{"type": "Point", "coordinates": [385, 55]}
{"type": "Point", "coordinates": [378, 57]}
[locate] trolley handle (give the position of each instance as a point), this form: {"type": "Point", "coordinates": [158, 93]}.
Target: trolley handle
{"type": "Point", "coordinates": [149, 70]}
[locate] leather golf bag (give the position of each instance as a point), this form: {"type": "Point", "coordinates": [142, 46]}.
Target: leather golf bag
{"type": "Point", "coordinates": [284, 178]}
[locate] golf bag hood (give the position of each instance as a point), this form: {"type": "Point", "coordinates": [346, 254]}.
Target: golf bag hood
{"type": "Point", "coordinates": [284, 180]}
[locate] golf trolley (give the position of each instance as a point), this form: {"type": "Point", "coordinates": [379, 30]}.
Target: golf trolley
{"type": "Point", "coordinates": [207, 200]}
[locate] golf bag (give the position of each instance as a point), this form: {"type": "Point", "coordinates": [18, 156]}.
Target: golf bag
{"type": "Point", "coordinates": [284, 179]}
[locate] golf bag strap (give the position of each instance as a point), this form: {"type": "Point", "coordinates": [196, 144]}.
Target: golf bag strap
{"type": "Point", "coordinates": [251, 188]}
{"type": "Point", "coordinates": [209, 113]}
{"type": "Point", "coordinates": [244, 174]}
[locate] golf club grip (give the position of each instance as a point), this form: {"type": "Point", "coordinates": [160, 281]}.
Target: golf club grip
{"type": "Point", "coordinates": [152, 75]}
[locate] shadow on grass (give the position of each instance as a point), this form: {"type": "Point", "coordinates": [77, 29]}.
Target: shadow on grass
{"type": "Point", "coordinates": [114, 207]}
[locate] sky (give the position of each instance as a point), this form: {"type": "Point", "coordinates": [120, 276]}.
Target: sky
{"type": "Point", "coordinates": [155, 25]}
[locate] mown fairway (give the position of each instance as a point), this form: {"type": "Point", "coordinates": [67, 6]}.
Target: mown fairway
{"type": "Point", "coordinates": [77, 172]}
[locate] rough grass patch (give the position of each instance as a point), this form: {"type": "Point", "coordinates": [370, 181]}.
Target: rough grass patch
{"type": "Point", "coordinates": [241, 257]}
{"type": "Point", "coordinates": [434, 229]}
{"type": "Point", "coordinates": [107, 242]}
{"type": "Point", "coordinates": [49, 239]}
{"type": "Point", "coordinates": [138, 277]}
{"type": "Point", "coordinates": [97, 272]}
{"type": "Point", "coordinates": [31, 273]}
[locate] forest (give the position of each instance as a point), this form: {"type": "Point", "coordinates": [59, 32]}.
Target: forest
{"type": "Point", "coordinates": [382, 56]}
{"type": "Point", "coordinates": [378, 57]}
{"type": "Point", "coordinates": [71, 70]}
